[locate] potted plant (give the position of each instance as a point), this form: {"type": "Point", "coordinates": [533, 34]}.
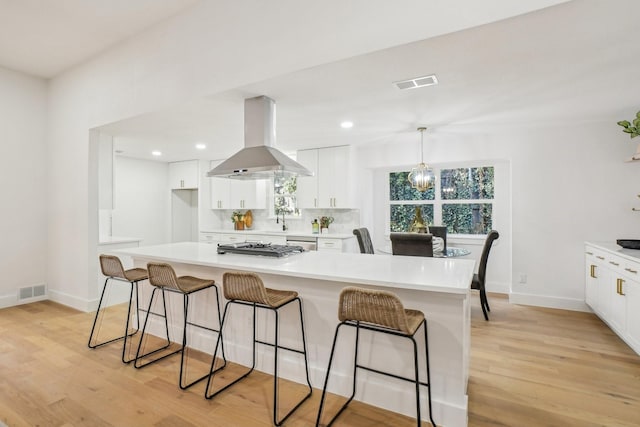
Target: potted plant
{"type": "Point", "coordinates": [238, 220]}
{"type": "Point", "coordinates": [633, 129]}
{"type": "Point", "coordinates": [324, 223]}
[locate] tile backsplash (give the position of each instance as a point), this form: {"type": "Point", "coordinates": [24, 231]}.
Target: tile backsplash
{"type": "Point", "coordinates": [344, 220]}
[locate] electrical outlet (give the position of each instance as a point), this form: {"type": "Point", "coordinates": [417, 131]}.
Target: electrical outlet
{"type": "Point", "coordinates": [523, 278]}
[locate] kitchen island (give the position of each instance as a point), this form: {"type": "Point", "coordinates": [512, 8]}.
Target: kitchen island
{"type": "Point", "coordinates": [438, 287]}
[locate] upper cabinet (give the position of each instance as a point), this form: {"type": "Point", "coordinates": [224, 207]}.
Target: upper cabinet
{"type": "Point", "coordinates": [183, 175]}
{"type": "Point", "coordinates": [229, 193]}
{"type": "Point", "coordinates": [332, 185]}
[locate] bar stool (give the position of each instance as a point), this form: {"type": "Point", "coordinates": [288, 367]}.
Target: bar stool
{"type": "Point", "coordinates": [112, 268]}
{"type": "Point", "coordinates": [379, 311]}
{"type": "Point", "coordinates": [163, 278]}
{"type": "Point", "coordinates": [248, 289]}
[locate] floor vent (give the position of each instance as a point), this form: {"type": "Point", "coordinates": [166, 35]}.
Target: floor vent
{"type": "Point", "coordinates": [32, 292]}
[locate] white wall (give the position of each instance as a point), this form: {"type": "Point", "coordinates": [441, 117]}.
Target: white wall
{"type": "Point", "coordinates": [22, 173]}
{"type": "Point", "coordinates": [569, 184]}
{"type": "Point", "coordinates": [189, 56]}
{"type": "Point", "coordinates": [142, 200]}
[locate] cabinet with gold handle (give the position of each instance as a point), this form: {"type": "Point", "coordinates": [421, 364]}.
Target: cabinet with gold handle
{"type": "Point", "coordinates": [619, 283]}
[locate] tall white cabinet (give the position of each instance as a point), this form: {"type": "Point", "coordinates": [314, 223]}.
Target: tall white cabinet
{"type": "Point", "coordinates": [333, 184]}
{"type": "Point", "coordinates": [612, 288]}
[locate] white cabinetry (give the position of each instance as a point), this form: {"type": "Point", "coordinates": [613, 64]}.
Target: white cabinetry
{"type": "Point", "coordinates": [229, 193]}
{"type": "Point", "coordinates": [332, 185]}
{"type": "Point", "coordinates": [612, 290]}
{"type": "Point", "coordinates": [328, 244]}
{"type": "Point", "coordinates": [183, 175]}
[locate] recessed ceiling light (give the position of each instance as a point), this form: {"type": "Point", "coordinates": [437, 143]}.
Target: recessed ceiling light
{"type": "Point", "coordinates": [417, 82]}
{"type": "Point", "coordinates": [156, 153]}
{"type": "Point", "coordinates": [201, 146]}
{"type": "Point", "coordinates": [346, 125]}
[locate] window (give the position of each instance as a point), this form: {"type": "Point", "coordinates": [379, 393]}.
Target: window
{"type": "Point", "coordinates": [462, 200]}
{"type": "Point", "coordinates": [284, 196]}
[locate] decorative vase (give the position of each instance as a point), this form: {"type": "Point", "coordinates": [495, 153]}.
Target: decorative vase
{"type": "Point", "coordinates": [238, 225]}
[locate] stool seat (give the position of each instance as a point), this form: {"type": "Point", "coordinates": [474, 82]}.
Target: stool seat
{"type": "Point", "coordinates": [136, 274]}
{"type": "Point", "coordinates": [190, 284]}
{"type": "Point", "coordinates": [277, 298]}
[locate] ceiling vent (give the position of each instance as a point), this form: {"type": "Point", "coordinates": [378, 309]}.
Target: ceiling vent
{"type": "Point", "coordinates": [417, 82]}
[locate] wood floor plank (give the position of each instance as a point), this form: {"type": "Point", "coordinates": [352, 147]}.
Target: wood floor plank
{"type": "Point", "coordinates": [529, 366]}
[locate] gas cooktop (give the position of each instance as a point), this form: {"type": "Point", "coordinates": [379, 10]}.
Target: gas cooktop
{"type": "Point", "coordinates": [265, 249]}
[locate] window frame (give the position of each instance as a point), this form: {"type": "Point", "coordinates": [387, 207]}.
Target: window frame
{"type": "Point", "coordinates": [438, 201]}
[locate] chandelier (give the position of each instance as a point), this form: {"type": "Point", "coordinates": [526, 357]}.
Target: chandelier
{"type": "Point", "coordinates": [422, 177]}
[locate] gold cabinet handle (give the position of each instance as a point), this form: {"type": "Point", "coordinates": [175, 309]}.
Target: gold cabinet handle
{"type": "Point", "coordinates": [589, 253]}
{"type": "Point", "coordinates": [593, 271]}
{"type": "Point", "coordinates": [631, 270]}
{"type": "Point", "coordinates": [599, 257]}
{"type": "Point", "coordinates": [614, 263]}
{"type": "Point", "coordinates": [620, 287]}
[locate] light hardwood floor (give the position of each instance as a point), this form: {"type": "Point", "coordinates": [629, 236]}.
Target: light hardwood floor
{"type": "Point", "coordinates": [530, 367]}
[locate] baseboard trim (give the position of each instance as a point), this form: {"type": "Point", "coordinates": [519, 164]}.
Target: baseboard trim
{"type": "Point", "coordinates": [63, 298]}
{"type": "Point", "coordinates": [548, 301]}
{"type": "Point", "coordinates": [498, 287]}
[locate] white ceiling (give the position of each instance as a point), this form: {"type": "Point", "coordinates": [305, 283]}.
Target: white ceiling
{"type": "Point", "coordinates": [45, 37]}
{"type": "Point", "coordinates": [576, 62]}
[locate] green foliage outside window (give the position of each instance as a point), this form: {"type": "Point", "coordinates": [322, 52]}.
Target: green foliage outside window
{"type": "Point", "coordinates": [402, 216]}
{"type": "Point", "coordinates": [467, 218]}
{"type": "Point", "coordinates": [400, 189]}
{"type": "Point", "coordinates": [473, 184]}
{"type": "Point", "coordinates": [284, 200]}
{"type": "Point", "coordinates": [466, 183]}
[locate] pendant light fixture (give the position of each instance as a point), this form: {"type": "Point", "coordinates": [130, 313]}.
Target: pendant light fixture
{"type": "Point", "coordinates": [422, 177]}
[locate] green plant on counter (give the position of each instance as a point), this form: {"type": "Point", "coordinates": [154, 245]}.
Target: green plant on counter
{"type": "Point", "coordinates": [237, 216]}
{"type": "Point", "coordinates": [325, 221]}
{"type": "Point", "coordinates": [633, 129]}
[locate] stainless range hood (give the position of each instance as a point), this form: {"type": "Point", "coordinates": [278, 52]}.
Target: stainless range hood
{"type": "Point", "coordinates": [259, 159]}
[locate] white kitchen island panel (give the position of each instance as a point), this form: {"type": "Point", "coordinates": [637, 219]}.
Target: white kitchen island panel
{"type": "Point", "coordinates": [438, 287]}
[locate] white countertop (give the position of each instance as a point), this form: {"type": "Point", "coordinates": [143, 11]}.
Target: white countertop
{"type": "Point", "coordinates": [113, 240]}
{"type": "Point", "coordinates": [403, 272]}
{"type": "Point", "coordinates": [283, 233]}
{"type": "Point", "coordinates": [630, 254]}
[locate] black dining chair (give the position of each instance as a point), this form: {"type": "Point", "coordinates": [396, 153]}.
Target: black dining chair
{"type": "Point", "coordinates": [440, 231]}
{"type": "Point", "coordinates": [364, 240]}
{"type": "Point", "coordinates": [412, 244]}
{"type": "Point", "coordinates": [479, 279]}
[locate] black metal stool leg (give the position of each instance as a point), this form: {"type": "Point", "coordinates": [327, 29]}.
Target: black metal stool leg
{"type": "Point", "coordinates": [144, 328]}
{"type": "Point", "coordinates": [126, 327]}
{"type": "Point", "coordinates": [95, 319]}
{"type": "Point", "coordinates": [326, 381]}
{"type": "Point", "coordinates": [417, 377]}
{"type": "Point", "coordinates": [426, 347]}
{"type": "Point", "coordinates": [219, 343]}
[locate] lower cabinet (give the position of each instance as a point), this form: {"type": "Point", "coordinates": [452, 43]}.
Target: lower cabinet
{"type": "Point", "coordinates": [612, 290]}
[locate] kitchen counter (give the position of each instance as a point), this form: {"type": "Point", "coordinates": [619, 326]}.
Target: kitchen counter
{"type": "Point", "coordinates": [629, 254]}
{"type": "Point", "coordinates": [437, 287]}
{"type": "Point", "coordinates": [116, 240]}
{"type": "Point", "coordinates": [281, 233]}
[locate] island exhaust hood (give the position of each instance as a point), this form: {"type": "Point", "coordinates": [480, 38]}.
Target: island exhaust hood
{"type": "Point", "coordinates": [259, 159]}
